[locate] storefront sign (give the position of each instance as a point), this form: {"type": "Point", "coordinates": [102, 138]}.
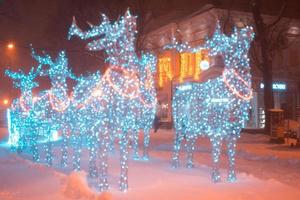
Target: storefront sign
{"type": "Point", "coordinates": [184, 87]}
{"type": "Point", "coordinates": [275, 86]}
{"type": "Point", "coordinates": [219, 100]}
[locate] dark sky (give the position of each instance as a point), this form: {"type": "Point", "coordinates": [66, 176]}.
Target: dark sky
{"type": "Point", "coordinates": [45, 23]}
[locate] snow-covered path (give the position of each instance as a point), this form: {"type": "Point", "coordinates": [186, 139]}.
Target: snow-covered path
{"type": "Point", "coordinates": [265, 171]}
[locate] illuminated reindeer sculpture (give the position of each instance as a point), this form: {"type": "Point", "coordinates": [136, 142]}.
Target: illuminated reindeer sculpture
{"type": "Point", "coordinates": [55, 102]}
{"type": "Point", "coordinates": [118, 92]}
{"type": "Point", "coordinates": [217, 108]}
{"type": "Point", "coordinates": [23, 124]}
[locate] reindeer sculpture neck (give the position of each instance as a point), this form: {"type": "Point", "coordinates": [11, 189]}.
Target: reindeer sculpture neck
{"type": "Point", "coordinates": [237, 55]}
{"type": "Point", "coordinates": [237, 69]}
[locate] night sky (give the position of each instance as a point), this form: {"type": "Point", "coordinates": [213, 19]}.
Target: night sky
{"type": "Point", "coordinates": [45, 23]}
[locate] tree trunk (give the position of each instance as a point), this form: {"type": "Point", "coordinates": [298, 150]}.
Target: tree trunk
{"type": "Point", "coordinates": [262, 35]}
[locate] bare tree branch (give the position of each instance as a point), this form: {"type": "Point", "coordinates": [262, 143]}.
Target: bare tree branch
{"type": "Point", "coordinates": [280, 15]}
{"type": "Point", "coordinates": [255, 57]}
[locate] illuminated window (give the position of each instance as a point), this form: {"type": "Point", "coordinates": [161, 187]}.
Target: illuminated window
{"type": "Point", "coordinates": [189, 67]}
{"type": "Point", "coordinates": [186, 66]}
{"type": "Point", "coordinates": [198, 60]}
{"type": "Point", "coordinates": [165, 70]}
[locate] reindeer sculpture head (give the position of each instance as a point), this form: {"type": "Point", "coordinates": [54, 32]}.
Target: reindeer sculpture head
{"type": "Point", "coordinates": [116, 39]}
{"type": "Point", "coordinates": [234, 50]}
{"type": "Point", "coordinates": [24, 82]}
{"type": "Point", "coordinates": [58, 69]}
{"type": "Point", "coordinates": [239, 44]}
{"type": "Point", "coordinates": [231, 47]}
{"type": "Point", "coordinates": [219, 43]}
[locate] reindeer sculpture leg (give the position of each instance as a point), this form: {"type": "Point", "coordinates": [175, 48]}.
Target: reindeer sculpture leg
{"type": "Point", "coordinates": [103, 154]}
{"type": "Point", "coordinates": [124, 161]}
{"type": "Point", "coordinates": [216, 151]}
{"type": "Point", "coordinates": [93, 148]}
{"type": "Point", "coordinates": [48, 147]}
{"type": "Point", "coordinates": [146, 144]}
{"type": "Point", "coordinates": [64, 149]}
{"type": "Point", "coordinates": [23, 141]}
{"type": "Point", "coordinates": [177, 143]}
{"type": "Point", "coordinates": [190, 151]}
{"type": "Point", "coordinates": [33, 144]}
{"type": "Point", "coordinates": [135, 144]}
{"type": "Point", "coordinates": [231, 148]}
{"type": "Point", "coordinates": [112, 141]}
{"type": "Point", "coordinates": [77, 153]}
{"type": "Point", "coordinates": [14, 131]}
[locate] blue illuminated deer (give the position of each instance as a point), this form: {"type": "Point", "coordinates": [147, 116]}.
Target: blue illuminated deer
{"type": "Point", "coordinates": [217, 108]}
{"type": "Point", "coordinates": [22, 120]}
{"type": "Point", "coordinates": [55, 102]}
{"type": "Point", "coordinates": [119, 89]}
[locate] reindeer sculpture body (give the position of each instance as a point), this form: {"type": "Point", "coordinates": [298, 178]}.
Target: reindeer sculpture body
{"type": "Point", "coordinates": [219, 107]}
{"type": "Point", "coordinates": [118, 92]}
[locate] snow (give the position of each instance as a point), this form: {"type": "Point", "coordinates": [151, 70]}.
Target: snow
{"type": "Point", "coordinates": [264, 171]}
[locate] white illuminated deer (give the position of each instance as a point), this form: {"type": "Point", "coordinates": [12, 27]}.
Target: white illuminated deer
{"type": "Point", "coordinates": [217, 108]}
{"type": "Point", "coordinates": [55, 102]}
{"type": "Point", "coordinates": [119, 91]}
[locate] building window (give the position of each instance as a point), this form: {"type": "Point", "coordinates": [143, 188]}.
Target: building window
{"type": "Point", "coordinates": [165, 70]}
{"type": "Point", "coordinates": [187, 67]}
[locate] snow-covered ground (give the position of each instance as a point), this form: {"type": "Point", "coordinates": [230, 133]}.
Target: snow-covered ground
{"type": "Point", "coordinates": [264, 171]}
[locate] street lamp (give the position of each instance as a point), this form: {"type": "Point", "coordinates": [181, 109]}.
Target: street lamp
{"type": "Point", "coordinates": [10, 45]}
{"type": "Point", "coordinates": [5, 102]}
{"type": "Point", "coordinates": [10, 53]}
